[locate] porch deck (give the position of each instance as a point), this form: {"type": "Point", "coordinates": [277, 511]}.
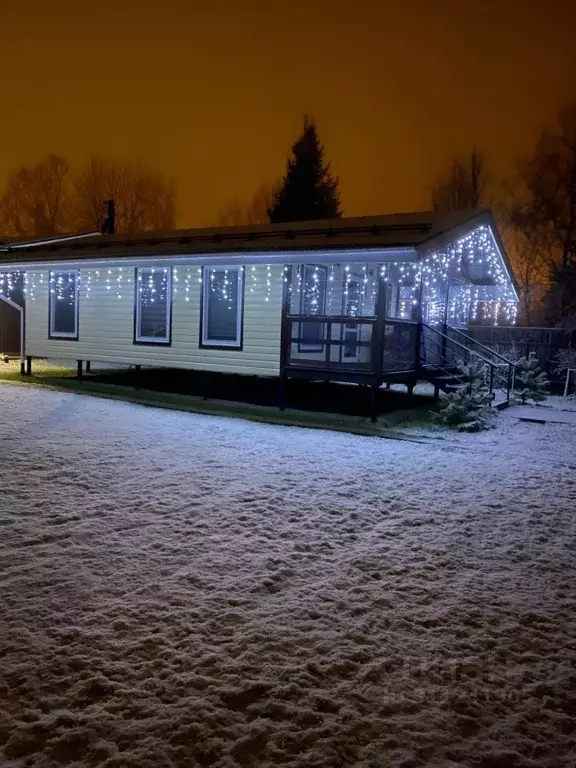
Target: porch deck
{"type": "Point", "coordinates": [373, 351]}
{"type": "Point", "coordinates": [363, 349]}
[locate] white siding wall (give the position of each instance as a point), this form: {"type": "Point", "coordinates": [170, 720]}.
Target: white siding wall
{"type": "Point", "coordinates": [106, 324]}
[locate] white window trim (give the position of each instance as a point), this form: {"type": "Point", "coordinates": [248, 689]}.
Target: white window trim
{"type": "Point", "coordinates": [52, 302]}
{"type": "Point", "coordinates": [206, 341]}
{"type": "Point", "coordinates": [153, 339]}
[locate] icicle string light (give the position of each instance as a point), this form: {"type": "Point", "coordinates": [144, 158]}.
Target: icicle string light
{"type": "Point", "coordinates": [11, 283]}
{"type": "Point", "coordinates": [153, 284]}
{"type": "Point", "coordinates": [63, 285]}
{"type": "Point", "coordinates": [439, 280]}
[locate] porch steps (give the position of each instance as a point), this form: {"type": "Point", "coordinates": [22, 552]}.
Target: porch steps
{"type": "Point", "coordinates": [449, 381]}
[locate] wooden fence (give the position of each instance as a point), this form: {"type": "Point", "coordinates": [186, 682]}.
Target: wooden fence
{"type": "Point", "coordinates": [517, 341]}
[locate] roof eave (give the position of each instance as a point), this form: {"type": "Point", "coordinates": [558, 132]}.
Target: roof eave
{"type": "Point", "coordinates": [296, 256]}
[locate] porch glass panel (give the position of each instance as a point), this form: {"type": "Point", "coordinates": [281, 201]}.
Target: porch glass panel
{"type": "Point", "coordinates": [341, 344]}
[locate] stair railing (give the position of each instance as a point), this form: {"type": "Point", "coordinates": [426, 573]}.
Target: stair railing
{"type": "Point", "coordinates": [489, 354]}
{"type": "Point", "coordinates": [441, 350]}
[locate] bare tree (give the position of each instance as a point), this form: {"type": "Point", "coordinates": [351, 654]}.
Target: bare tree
{"type": "Point", "coordinates": [550, 179]}
{"type": "Point", "coordinates": [531, 274]}
{"type": "Point", "coordinates": [145, 200]}
{"type": "Point", "coordinates": [48, 198]}
{"type": "Point", "coordinates": [525, 252]}
{"type": "Point", "coordinates": [235, 213]}
{"type": "Point", "coordinates": [546, 211]}
{"type": "Point", "coordinates": [36, 199]}
{"type": "Point", "coordinates": [463, 186]}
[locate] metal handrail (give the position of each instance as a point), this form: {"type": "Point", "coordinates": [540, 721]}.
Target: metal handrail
{"type": "Point", "coordinates": [479, 344]}
{"type": "Point", "coordinates": [445, 336]}
{"type": "Point", "coordinates": [504, 382]}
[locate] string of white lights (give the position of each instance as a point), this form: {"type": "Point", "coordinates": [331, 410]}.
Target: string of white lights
{"type": "Point", "coordinates": [441, 281]}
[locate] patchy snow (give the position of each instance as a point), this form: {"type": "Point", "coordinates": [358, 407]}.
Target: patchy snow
{"type": "Point", "coordinates": [561, 403]}
{"type": "Point", "coordinates": [184, 590]}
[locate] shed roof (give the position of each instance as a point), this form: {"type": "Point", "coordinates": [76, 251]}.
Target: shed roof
{"type": "Point", "coordinates": [402, 230]}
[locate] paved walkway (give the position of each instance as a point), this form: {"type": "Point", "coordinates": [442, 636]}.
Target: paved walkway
{"type": "Point", "coordinates": [543, 414]}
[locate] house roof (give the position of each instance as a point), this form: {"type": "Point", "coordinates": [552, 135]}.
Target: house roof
{"type": "Point", "coordinates": [393, 231]}
{"type": "Point", "coordinates": [17, 243]}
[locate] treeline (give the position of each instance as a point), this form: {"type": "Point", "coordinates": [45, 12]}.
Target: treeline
{"type": "Point", "coordinates": [51, 197]}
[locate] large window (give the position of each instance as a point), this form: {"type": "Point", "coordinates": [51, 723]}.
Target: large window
{"type": "Point", "coordinates": [222, 304]}
{"type": "Point", "coordinates": [312, 302]}
{"type": "Point", "coordinates": [153, 305]}
{"type": "Point", "coordinates": [63, 304]}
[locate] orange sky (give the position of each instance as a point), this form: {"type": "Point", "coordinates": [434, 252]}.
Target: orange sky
{"type": "Point", "coordinates": [212, 91]}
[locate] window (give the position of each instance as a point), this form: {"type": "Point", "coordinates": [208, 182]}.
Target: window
{"type": "Point", "coordinates": [312, 302]}
{"type": "Point", "coordinates": [153, 305]}
{"type": "Point", "coordinates": [63, 304]}
{"type": "Point", "coordinates": [222, 306]}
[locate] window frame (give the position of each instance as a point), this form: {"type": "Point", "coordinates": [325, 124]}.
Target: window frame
{"type": "Point", "coordinates": [313, 346]}
{"type": "Point", "coordinates": [66, 335]}
{"type": "Point", "coordinates": [352, 327]}
{"type": "Point", "coordinates": [204, 341]}
{"type": "Point", "coordinates": [153, 341]}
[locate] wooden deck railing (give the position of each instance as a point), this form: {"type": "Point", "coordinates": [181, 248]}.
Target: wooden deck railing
{"type": "Point", "coordinates": [365, 345]}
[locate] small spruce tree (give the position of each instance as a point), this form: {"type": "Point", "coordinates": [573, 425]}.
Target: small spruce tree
{"type": "Point", "coordinates": [308, 190]}
{"type": "Point", "coordinates": [468, 408]}
{"type": "Point", "coordinates": [530, 381]}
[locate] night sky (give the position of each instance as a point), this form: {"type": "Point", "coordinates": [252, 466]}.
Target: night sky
{"type": "Point", "coordinates": [212, 92]}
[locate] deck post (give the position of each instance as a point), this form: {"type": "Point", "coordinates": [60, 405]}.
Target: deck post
{"type": "Point", "coordinates": [328, 345]}
{"type": "Point", "coordinates": [205, 385]}
{"type": "Point", "coordinates": [28, 366]}
{"type": "Point", "coordinates": [374, 403]}
{"type": "Point", "coordinates": [282, 392]}
{"type": "Point", "coordinates": [417, 348]}
{"type": "Point", "coordinates": [87, 366]}
{"type": "Point", "coordinates": [379, 329]}
{"type": "Point", "coordinates": [79, 368]}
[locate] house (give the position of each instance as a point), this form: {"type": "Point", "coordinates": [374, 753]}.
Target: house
{"type": "Point", "coordinates": [12, 295]}
{"type": "Point", "coordinates": [370, 300]}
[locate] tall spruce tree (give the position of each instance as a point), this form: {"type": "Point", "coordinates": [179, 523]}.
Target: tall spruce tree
{"type": "Point", "coordinates": [308, 190]}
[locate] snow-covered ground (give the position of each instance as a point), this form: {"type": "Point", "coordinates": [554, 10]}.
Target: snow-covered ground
{"type": "Point", "coordinates": [183, 590]}
{"type": "Point", "coordinates": [562, 403]}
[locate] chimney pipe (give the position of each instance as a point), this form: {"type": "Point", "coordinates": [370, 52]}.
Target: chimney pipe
{"type": "Point", "coordinates": [109, 223]}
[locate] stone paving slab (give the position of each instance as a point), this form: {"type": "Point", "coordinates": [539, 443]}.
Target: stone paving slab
{"type": "Point", "coordinates": [542, 414]}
